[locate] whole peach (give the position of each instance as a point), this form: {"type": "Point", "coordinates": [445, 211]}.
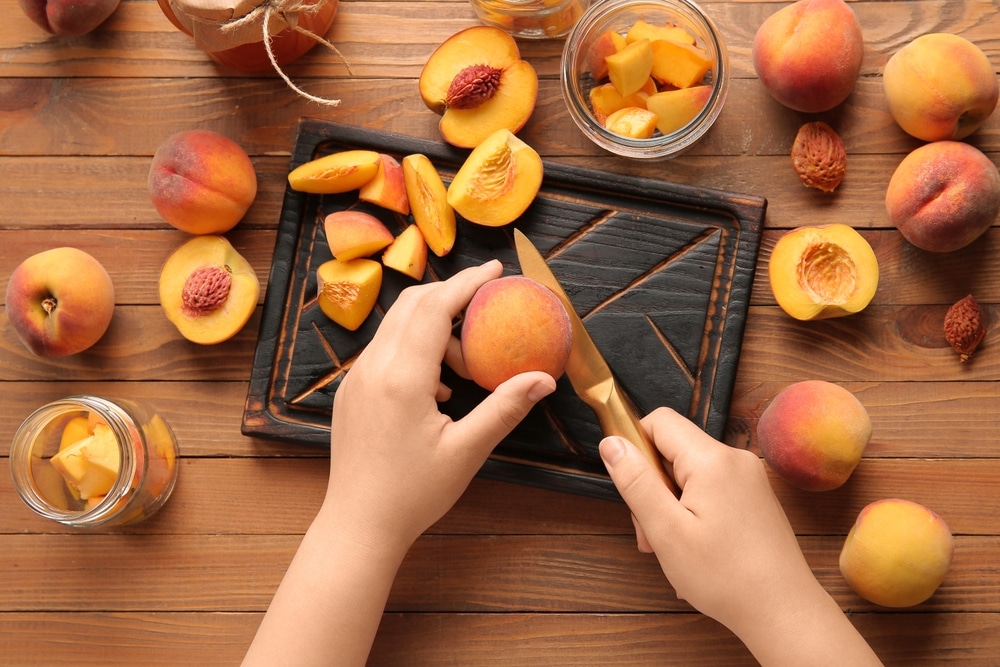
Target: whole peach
{"type": "Point", "coordinates": [897, 553]}
{"type": "Point", "coordinates": [943, 195]}
{"type": "Point", "coordinates": [202, 182]}
{"type": "Point", "coordinates": [68, 17]}
{"type": "Point", "coordinates": [60, 301]}
{"type": "Point", "coordinates": [513, 325]}
{"type": "Point", "coordinates": [813, 434]}
{"type": "Point", "coordinates": [940, 86]}
{"type": "Point", "coordinates": [808, 54]}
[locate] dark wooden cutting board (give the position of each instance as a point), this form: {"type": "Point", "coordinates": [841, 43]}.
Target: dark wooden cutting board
{"type": "Point", "coordinates": [660, 272]}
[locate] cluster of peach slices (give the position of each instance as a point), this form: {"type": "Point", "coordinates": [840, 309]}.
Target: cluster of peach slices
{"type": "Point", "coordinates": [654, 78]}
{"type": "Point", "coordinates": [478, 83]}
{"type": "Point", "coordinates": [494, 185]}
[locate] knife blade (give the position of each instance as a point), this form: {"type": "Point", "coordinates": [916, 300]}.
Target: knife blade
{"type": "Point", "coordinates": [587, 370]}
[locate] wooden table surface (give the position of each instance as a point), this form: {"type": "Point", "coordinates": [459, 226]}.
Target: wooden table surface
{"type": "Point", "coordinates": [513, 575]}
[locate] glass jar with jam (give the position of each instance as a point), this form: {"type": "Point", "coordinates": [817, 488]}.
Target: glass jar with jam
{"type": "Point", "coordinates": [94, 462]}
{"type": "Point", "coordinates": [531, 19]}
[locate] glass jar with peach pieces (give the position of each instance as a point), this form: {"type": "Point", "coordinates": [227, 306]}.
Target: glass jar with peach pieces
{"type": "Point", "coordinates": [531, 19]}
{"type": "Point", "coordinates": [645, 78]}
{"type": "Point", "coordinates": [91, 462]}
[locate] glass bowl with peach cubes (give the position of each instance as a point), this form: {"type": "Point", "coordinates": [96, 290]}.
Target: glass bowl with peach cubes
{"type": "Point", "coordinates": [645, 79]}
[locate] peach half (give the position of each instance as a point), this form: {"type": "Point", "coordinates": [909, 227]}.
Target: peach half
{"type": "Point", "coordinates": [429, 203]}
{"type": "Point", "coordinates": [808, 54]}
{"type": "Point", "coordinates": [940, 86]}
{"type": "Point", "coordinates": [813, 434]}
{"type": "Point", "coordinates": [352, 234]}
{"type": "Point", "coordinates": [943, 195]}
{"type": "Point", "coordinates": [347, 291]}
{"type": "Point", "coordinates": [478, 83]}
{"type": "Point", "coordinates": [60, 301]}
{"type": "Point", "coordinates": [897, 553]}
{"type": "Point", "coordinates": [201, 182]}
{"type": "Point", "coordinates": [514, 325]}
{"type": "Point", "coordinates": [338, 172]}
{"type": "Point", "coordinates": [208, 290]}
{"type": "Point", "coordinates": [822, 272]}
{"type": "Point", "coordinates": [497, 182]}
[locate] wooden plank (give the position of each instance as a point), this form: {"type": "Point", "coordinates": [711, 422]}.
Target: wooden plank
{"type": "Point", "coordinates": [478, 573]}
{"type": "Point", "coordinates": [960, 490]}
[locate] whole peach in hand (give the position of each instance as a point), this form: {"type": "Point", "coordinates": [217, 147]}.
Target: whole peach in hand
{"type": "Point", "coordinates": [940, 86]}
{"type": "Point", "coordinates": [68, 17]}
{"type": "Point", "coordinates": [943, 195]}
{"type": "Point", "coordinates": [813, 434]}
{"type": "Point", "coordinates": [514, 325]}
{"type": "Point", "coordinates": [808, 54]}
{"type": "Point", "coordinates": [897, 553]}
{"type": "Point", "coordinates": [201, 182]}
{"type": "Point", "coordinates": [60, 301]}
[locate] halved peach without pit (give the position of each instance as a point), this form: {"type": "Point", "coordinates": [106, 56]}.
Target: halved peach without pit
{"type": "Point", "coordinates": [822, 272]}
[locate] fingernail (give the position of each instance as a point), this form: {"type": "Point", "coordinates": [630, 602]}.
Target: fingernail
{"type": "Point", "coordinates": [612, 450]}
{"type": "Point", "coordinates": [539, 390]}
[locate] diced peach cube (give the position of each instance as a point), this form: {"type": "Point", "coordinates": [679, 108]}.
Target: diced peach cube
{"type": "Point", "coordinates": [630, 68]}
{"type": "Point", "coordinates": [676, 108]}
{"type": "Point", "coordinates": [607, 43]}
{"type": "Point", "coordinates": [680, 65]}
{"type": "Point", "coordinates": [605, 100]}
{"type": "Point", "coordinates": [642, 29]}
{"type": "Point", "coordinates": [633, 122]}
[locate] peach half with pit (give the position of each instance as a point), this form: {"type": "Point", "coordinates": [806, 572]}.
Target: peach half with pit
{"type": "Point", "coordinates": [514, 325]}
{"type": "Point", "coordinates": [497, 182]}
{"type": "Point", "coordinates": [823, 271]}
{"type": "Point", "coordinates": [201, 182]}
{"type": "Point", "coordinates": [808, 54]}
{"type": "Point", "coordinates": [943, 195]}
{"type": "Point", "coordinates": [60, 301]}
{"type": "Point", "coordinates": [208, 290]}
{"type": "Point", "coordinates": [407, 253]}
{"type": "Point", "coordinates": [940, 86]}
{"type": "Point", "coordinates": [478, 83]}
{"type": "Point", "coordinates": [351, 234]}
{"type": "Point", "coordinates": [813, 434]}
{"type": "Point", "coordinates": [347, 291]}
{"type": "Point", "coordinates": [897, 553]}
{"type": "Point", "coordinates": [429, 205]}
{"type": "Point", "coordinates": [335, 173]}
{"type": "Point", "coordinates": [387, 188]}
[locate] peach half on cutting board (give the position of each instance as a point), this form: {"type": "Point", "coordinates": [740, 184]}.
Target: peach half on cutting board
{"type": "Point", "coordinates": [823, 271]}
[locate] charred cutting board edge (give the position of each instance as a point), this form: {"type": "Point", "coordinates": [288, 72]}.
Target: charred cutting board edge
{"type": "Point", "coordinates": [734, 220]}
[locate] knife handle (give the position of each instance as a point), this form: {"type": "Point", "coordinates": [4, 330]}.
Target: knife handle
{"type": "Point", "coordinates": [618, 418]}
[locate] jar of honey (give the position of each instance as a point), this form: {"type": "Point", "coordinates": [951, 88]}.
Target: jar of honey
{"type": "Point", "coordinates": [531, 19]}
{"type": "Point", "coordinates": [93, 462]}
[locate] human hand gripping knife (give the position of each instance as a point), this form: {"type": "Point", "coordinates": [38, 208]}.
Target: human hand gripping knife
{"type": "Point", "coordinates": [587, 369]}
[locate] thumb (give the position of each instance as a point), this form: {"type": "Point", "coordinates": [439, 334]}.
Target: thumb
{"type": "Point", "coordinates": [497, 415]}
{"type": "Point", "coordinates": [639, 485]}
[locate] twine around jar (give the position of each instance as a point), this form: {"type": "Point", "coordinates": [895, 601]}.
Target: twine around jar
{"type": "Point", "coordinates": [264, 12]}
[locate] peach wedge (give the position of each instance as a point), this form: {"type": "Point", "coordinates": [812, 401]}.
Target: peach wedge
{"type": "Point", "coordinates": [429, 203]}
{"type": "Point", "coordinates": [478, 83]}
{"type": "Point", "coordinates": [335, 173]}
{"type": "Point", "coordinates": [497, 182]}
{"type": "Point", "coordinates": [347, 291]}
{"type": "Point", "coordinates": [408, 253]}
{"type": "Point", "coordinates": [208, 290]}
{"type": "Point", "coordinates": [353, 234]}
{"type": "Point", "coordinates": [387, 188]}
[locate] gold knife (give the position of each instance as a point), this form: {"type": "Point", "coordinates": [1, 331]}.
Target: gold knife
{"type": "Point", "coordinates": [587, 369]}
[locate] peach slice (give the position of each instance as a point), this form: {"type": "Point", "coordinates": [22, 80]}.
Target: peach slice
{"type": "Point", "coordinates": [408, 253]}
{"type": "Point", "coordinates": [76, 429]}
{"type": "Point", "coordinates": [208, 290]}
{"type": "Point", "coordinates": [630, 68]}
{"type": "Point", "coordinates": [634, 122]}
{"type": "Point", "coordinates": [676, 108]}
{"type": "Point", "coordinates": [498, 180]}
{"type": "Point", "coordinates": [347, 291]}
{"type": "Point", "coordinates": [822, 272]}
{"type": "Point", "coordinates": [335, 173]}
{"type": "Point", "coordinates": [642, 29]}
{"type": "Point", "coordinates": [607, 43]}
{"type": "Point", "coordinates": [387, 188]}
{"type": "Point", "coordinates": [429, 203]}
{"type": "Point", "coordinates": [605, 100]}
{"type": "Point", "coordinates": [353, 234]}
{"type": "Point", "coordinates": [680, 65]}
{"type": "Point", "coordinates": [90, 466]}
{"type": "Point", "coordinates": [478, 82]}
